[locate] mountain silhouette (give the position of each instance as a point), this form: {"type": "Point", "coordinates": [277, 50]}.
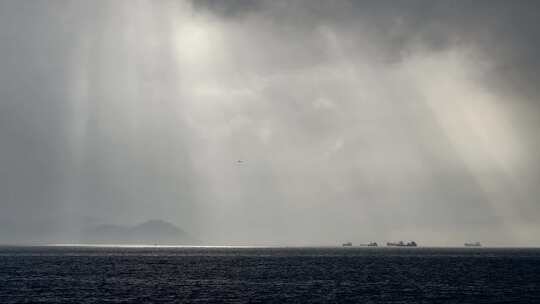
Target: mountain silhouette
{"type": "Point", "coordinates": [149, 232]}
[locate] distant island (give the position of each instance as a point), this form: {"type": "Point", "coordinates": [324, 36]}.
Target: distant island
{"type": "Point", "coordinates": [151, 232]}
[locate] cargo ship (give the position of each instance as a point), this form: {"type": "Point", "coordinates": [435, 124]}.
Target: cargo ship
{"type": "Point", "coordinates": [370, 244]}
{"type": "Point", "coordinates": [402, 244]}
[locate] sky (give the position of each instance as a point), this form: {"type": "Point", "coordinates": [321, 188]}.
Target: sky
{"type": "Point", "coordinates": [352, 120]}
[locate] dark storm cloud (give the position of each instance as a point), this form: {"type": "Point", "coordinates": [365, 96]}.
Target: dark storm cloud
{"type": "Point", "coordinates": [504, 32]}
{"type": "Point", "coordinates": [229, 9]}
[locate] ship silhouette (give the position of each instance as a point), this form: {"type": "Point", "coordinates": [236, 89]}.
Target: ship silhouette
{"type": "Point", "coordinates": [402, 244]}
{"type": "Point", "coordinates": [370, 244]}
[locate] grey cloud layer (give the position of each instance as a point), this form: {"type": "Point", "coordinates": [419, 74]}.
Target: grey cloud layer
{"type": "Point", "coordinates": [503, 32]}
{"type": "Point", "coordinates": [355, 120]}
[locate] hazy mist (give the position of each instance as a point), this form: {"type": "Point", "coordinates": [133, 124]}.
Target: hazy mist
{"type": "Point", "coordinates": [353, 120]}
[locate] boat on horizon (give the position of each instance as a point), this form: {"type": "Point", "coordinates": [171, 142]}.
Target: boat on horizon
{"type": "Point", "coordinates": [473, 244]}
{"type": "Point", "coordinates": [402, 244]}
{"type": "Point", "coordinates": [370, 244]}
{"type": "Point", "coordinates": [348, 244]}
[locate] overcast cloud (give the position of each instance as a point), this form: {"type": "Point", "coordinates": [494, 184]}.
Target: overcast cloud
{"type": "Point", "coordinates": [355, 120]}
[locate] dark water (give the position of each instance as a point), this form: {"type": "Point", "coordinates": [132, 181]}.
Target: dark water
{"type": "Point", "coordinates": [268, 275]}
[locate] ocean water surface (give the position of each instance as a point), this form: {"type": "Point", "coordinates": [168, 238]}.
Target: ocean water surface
{"type": "Point", "coordinates": [75, 274]}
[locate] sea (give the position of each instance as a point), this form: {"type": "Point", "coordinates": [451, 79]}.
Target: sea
{"type": "Point", "coordinates": [153, 274]}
